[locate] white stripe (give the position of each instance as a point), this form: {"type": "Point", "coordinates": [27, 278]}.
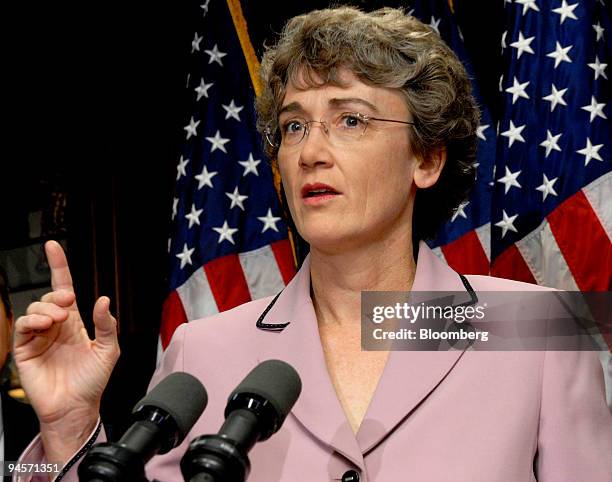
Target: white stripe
{"type": "Point", "coordinates": [545, 260]}
{"type": "Point", "coordinates": [599, 193]}
{"type": "Point", "coordinates": [484, 235]}
{"type": "Point", "coordinates": [261, 272]}
{"type": "Point", "coordinates": [197, 297]}
{"type": "Point", "coordinates": [438, 252]}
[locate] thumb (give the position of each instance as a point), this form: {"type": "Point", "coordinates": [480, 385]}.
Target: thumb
{"type": "Point", "coordinates": [105, 323]}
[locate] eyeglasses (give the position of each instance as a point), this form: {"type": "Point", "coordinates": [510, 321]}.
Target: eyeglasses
{"type": "Point", "coordinates": [344, 128]}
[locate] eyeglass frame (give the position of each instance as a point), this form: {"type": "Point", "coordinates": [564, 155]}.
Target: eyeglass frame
{"type": "Point", "coordinates": [364, 117]}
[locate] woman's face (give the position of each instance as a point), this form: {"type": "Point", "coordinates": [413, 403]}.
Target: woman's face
{"type": "Point", "coordinates": [372, 177]}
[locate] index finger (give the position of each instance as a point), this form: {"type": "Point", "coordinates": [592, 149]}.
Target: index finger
{"type": "Point", "coordinates": [61, 278]}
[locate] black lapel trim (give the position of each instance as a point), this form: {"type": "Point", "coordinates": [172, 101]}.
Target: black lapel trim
{"type": "Point", "coordinates": [470, 290]}
{"type": "Point", "coordinates": [270, 326]}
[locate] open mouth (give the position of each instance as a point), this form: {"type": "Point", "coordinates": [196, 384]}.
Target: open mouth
{"type": "Point", "coordinates": [318, 190]}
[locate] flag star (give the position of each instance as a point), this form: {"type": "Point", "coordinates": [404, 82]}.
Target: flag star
{"type": "Point", "coordinates": [599, 30]}
{"type": "Point", "coordinates": [204, 7]}
{"type": "Point", "coordinates": [501, 81]}
{"type": "Point", "coordinates": [192, 128]}
{"type": "Point", "coordinates": [480, 131]}
{"type": "Point", "coordinates": [460, 211]}
{"type": "Point", "coordinates": [590, 152]}
{"type": "Point", "coordinates": [194, 216]}
{"type": "Point", "coordinates": [503, 41]}
{"type": "Point", "coordinates": [560, 54]}
{"type": "Point", "coordinates": [555, 97]}
{"type": "Point", "coordinates": [215, 55]}
{"type": "Point", "coordinates": [204, 178]}
{"type": "Point", "coordinates": [250, 165]}
{"type": "Point", "coordinates": [195, 43]}
{"type": "Point", "coordinates": [598, 68]}
{"type": "Point", "coordinates": [547, 188]}
{"type": "Point", "coordinates": [566, 11]}
{"type": "Point", "coordinates": [236, 198]}
{"type": "Point", "coordinates": [492, 182]}
{"type": "Point", "coordinates": [185, 256]}
{"type": "Point", "coordinates": [174, 207]}
{"type": "Point", "coordinates": [217, 142]}
{"type": "Point", "coordinates": [269, 221]}
{"type": "Point", "coordinates": [169, 244]}
{"type": "Point", "coordinates": [509, 180]}
{"type": "Point", "coordinates": [518, 90]}
{"type": "Point", "coordinates": [226, 233]}
{"type": "Point", "coordinates": [551, 142]}
{"type": "Point", "coordinates": [595, 109]}
{"type": "Point", "coordinates": [514, 133]}
{"type": "Point", "coordinates": [232, 110]}
{"type": "Point", "coordinates": [180, 168]}
{"type": "Point", "coordinates": [435, 24]}
{"type": "Point", "coordinates": [476, 164]}
{"type": "Point", "coordinates": [202, 89]}
{"type": "Point", "coordinates": [528, 4]}
{"type": "Point", "coordinates": [522, 45]}
{"type": "Point", "coordinates": [507, 223]}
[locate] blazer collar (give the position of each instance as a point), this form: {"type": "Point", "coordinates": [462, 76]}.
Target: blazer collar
{"type": "Point", "coordinates": [407, 380]}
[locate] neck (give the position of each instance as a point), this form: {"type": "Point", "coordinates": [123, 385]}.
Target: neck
{"type": "Point", "coordinates": [338, 279]}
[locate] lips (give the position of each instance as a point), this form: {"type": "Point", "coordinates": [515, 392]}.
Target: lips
{"type": "Point", "coordinates": [318, 189]}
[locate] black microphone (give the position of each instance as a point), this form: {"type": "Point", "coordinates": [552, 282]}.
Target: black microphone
{"type": "Point", "coordinates": [162, 420]}
{"type": "Point", "coordinates": [255, 410]}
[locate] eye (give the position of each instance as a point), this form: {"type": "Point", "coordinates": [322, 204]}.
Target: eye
{"type": "Point", "coordinates": [352, 120]}
{"type": "Point", "coordinates": [293, 126]}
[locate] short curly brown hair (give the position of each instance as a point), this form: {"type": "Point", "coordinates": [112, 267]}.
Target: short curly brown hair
{"type": "Point", "coordinates": [386, 48]}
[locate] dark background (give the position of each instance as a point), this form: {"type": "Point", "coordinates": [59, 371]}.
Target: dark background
{"type": "Point", "coordinates": [96, 134]}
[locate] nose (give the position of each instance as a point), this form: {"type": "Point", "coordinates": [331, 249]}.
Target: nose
{"type": "Point", "coordinates": [315, 147]}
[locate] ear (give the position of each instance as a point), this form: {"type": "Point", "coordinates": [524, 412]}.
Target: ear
{"type": "Point", "coordinates": [428, 169]}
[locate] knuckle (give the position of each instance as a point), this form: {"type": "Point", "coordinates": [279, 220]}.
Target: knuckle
{"type": "Point", "coordinates": [33, 307]}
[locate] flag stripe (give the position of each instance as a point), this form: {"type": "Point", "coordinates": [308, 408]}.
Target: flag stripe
{"type": "Point", "coordinates": [173, 315]}
{"type": "Point", "coordinates": [261, 272]}
{"type": "Point", "coordinates": [227, 282]}
{"type": "Point", "coordinates": [599, 194]}
{"type": "Point", "coordinates": [484, 235]}
{"type": "Point", "coordinates": [284, 258]}
{"type": "Point", "coordinates": [590, 272]}
{"type": "Point", "coordinates": [466, 255]}
{"type": "Point", "coordinates": [545, 260]}
{"type": "Point", "coordinates": [197, 297]}
{"type": "Point", "coordinates": [510, 264]}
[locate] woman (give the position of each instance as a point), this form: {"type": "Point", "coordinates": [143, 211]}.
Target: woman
{"type": "Point", "coordinates": [372, 123]}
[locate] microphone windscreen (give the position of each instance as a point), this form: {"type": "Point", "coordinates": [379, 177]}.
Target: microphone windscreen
{"type": "Point", "coordinates": [277, 382]}
{"type": "Point", "coordinates": [182, 396]}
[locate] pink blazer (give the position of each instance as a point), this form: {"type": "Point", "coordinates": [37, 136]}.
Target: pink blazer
{"type": "Point", "coordinates": [435, 416]}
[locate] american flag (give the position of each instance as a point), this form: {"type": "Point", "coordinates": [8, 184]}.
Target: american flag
{"type": "Point", "coordinates": [228, 242]}
{"type": "Point", "coordinates": [550, 217]}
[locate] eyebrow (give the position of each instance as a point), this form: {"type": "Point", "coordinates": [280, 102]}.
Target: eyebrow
{"type": "Point", "coordinates": [335, 102]}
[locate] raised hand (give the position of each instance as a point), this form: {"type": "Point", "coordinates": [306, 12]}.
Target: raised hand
{"type": "Point", "coordinates": [62, 371]}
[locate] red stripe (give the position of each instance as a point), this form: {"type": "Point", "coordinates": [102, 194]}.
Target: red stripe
{"type": "Point", "coordinates": [511, 265]}
{"type": "Point", "coordinates": [583, 242]}
{"type": "Point", "coordinates": [466, 255]}
{"type": "Point", "coordinates": [227, 282]}
{"type": "Point", "coordinates": [284, 259]}
{"type": "Point", "coordinates": [173, 315]}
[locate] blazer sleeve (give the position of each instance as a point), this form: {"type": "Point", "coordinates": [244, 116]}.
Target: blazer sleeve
{"type": "Point", "coordinates": [575, 433]}
{"type": "Point", "coordinates": [171, 361]}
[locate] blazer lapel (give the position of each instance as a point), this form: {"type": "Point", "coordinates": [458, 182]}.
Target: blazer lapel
{"type": "Point", "coordinates": [410, 376]}
{"type": "Point", "coordinates": [318, 408]}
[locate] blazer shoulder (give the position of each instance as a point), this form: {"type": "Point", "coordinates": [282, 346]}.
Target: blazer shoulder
{"type": "Point", "coordinates": [239, 321]}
